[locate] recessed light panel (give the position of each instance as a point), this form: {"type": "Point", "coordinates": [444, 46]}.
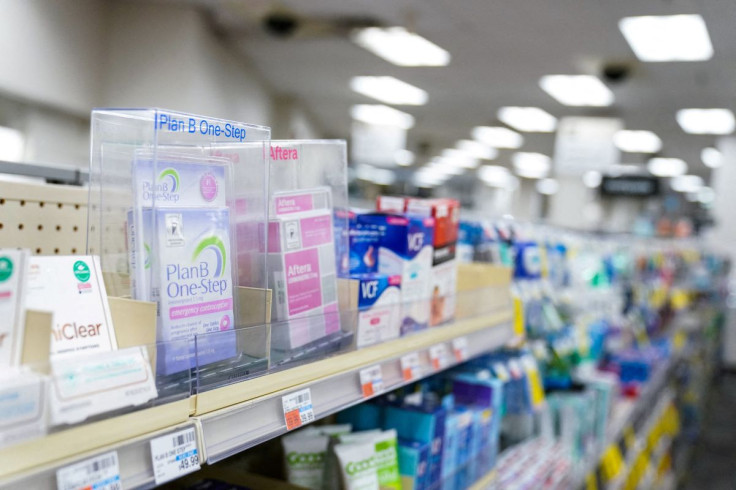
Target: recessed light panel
{"type": "Point", "coordinates": [711, 157]}
{"type": "Point", "coordinates": [531, 165]}
{"type": "Point", "coordinates": [667, 38]}
{"type": "Point", "coordinates": [706, 121]}
{"type": "Point", "coordinates": [666, 167]}
{"type": "Point", "coordinates": [498, 137]}
{"type": "Point", "coordinates": [577, 90]}
{"type": "Point", "coordinates": [528, 119]}
{"type": "Point", "coordinates": [381, 115]}
{"type": "Point", "coordinates": [401, 47]}
{"type": "Point", "coordinates": [389, 90]}
{"type": "Point", "coordinates": [637, 141]}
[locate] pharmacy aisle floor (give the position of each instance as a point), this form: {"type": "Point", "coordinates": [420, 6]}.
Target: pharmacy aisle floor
{"type": "Point", "coordinates": [713, 463]}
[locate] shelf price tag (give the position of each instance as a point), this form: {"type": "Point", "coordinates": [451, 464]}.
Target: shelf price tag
{"type": "Point", "coordinates": [101, 472]}
{"type": "Point", "coordinates": [410, 367]}
{"type": "Point", "coordinates": [371, 380]}
{"type": "Point", "coordinates": [460, 349]}
{"type": "Point", "coordinates": [174, 455]}
{"type": "Point", "coordinates": [298, 408]}
{"type": "Point", "coordinates": [438, 356]}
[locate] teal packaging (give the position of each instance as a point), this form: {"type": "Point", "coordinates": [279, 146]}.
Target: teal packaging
{"type": "Point", "coordinates": [424, 424]}
{"type": "Point", "coordinates": [414, 464]}
{"type": "Point", "coordinates": [364, 416]}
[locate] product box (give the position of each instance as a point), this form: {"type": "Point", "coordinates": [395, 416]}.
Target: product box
{"type": "Point", "coordinates": [425, 424]}
{"type": "Point", "coordinates": [71, 288]}
{"type": "Point", "coordinates": [302, 266]}
{"type": "Point", "coordinates": [379, 308]}
{"type": "Point", "coordinates": [405, 249]}
{"type": "Point", "coordinates": [12, 309]}
{"type": "Point", "coordinates": [446, 214]}
{"type": "Point", "coordinates": [414, 464]}
{"type": "Point", "coordinates": [364, 241]}
{"type": "Point", "coordinates": [181, 228]}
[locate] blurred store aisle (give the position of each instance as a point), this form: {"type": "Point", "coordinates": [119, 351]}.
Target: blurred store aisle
{"type": "Point", "coordinates": [713, 464]}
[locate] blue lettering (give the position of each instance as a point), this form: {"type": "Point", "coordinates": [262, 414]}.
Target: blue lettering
{"type": "Point", "coordinates": [192, 125]}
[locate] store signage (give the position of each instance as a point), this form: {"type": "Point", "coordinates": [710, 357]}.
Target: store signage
{"type": "Point", "coordinates": [630, 186]}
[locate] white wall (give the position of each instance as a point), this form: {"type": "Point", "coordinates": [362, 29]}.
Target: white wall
{"type": "Point", "coordinates": [51, 51]}
{"type": "Point", "coordinates": [61, 58]}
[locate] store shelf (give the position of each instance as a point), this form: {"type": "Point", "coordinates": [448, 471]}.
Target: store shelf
{"type": "Point", "coordinates": [334, 383]}
{"type": "Point", "coordinates": [628, 412]}
{"type": "Point", "coordinates": [134, 459]}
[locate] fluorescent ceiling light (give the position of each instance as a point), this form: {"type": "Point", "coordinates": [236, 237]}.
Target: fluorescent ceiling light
{"type": "Point", "coordinates": [381, 115]}
{"type": "Point", "coordinates": [667, 38]}
{"type": "Point", "coordinates": [528, 119]}
{"type": "Point", "coordinates": [498, 137]}
{"type": "Point", "coordinates": [401, 47]}
{"type": "Point", "coordinates": [711, 157]}
{"type": "Point", "coordinates": [666, 167]}
{"type": "Point", "coordinates": [686, 183]}
{"type": "Point", "coordinates": [389, 90]}
{"type": "Point", "coordinates": [706, 195]}
{"type": "Point", "coordinates": [495, 176]}
{"type": "Point", "coordinates": [706, 121]}
{"type": "Point", "coordinates": [531, 165]}
{"type": "Point", "coordinates": [444, 166]}
{"type": "Point", "coordinates": [592, 179]}
{"type": "Point", "coordinates": [380, 176]}
{"type": "Point", "coordinates": [477, 150]}
{"type": "Point", "coordinates": [637, 141]}
{"type": "Point", "coordinates": [404, 158]}
{"type": "Point", "coordinates": [12, 145]}
{"type": "Point", "coordinates": [577, 90]}
{"type": "Point", "coordinates": [547, 187]}
{"type": "Point", "coordinates": [459, 158]}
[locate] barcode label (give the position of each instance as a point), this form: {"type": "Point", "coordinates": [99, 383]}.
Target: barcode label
{"type": "Point", "coordinates": [410, 369]}
{"type": "Point", "coordinates": [181, 439]}
{"type": "Point", "coordinates": [174, 455]}
{"type": "Point", "coordinates": [460, 348]}
{"type": "Point", "coordinates": [371, 381]}
{"type": "Point", "coordinates": [101, 473]}
{"type": "Point", "coordinates": [298, 408]}
{"type": "Point", "coordinates": [438, 356]}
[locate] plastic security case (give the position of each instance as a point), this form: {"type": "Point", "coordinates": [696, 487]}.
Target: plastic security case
{"type": "Point", "coordinates": [176, 202]}
{"type": "Point", "coordinates": [307, 250]}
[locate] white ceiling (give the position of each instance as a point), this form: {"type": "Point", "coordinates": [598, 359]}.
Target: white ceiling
{"type": "Point", "coordinates": [499, 50]}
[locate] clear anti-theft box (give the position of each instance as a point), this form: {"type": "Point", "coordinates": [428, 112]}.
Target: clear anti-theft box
{"type": "Point", "coordinates": [176, 203]}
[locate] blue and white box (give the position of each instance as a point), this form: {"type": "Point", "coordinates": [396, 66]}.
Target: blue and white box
{"type": "Point", "coordinates": [405, 249]}
{"type": "Point", "coordinates": [379, 308]}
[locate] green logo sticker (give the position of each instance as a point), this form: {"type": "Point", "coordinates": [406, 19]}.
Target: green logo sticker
{"type": "Point", "coordinates": [81, 271]}
{"type": "Point", "coordinates": [6, 269]}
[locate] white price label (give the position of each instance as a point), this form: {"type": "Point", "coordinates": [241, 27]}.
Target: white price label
{"type": "Point", "coordinates": [174, 455]}
{"type": "Point", "coordinates": [298, 408]}
{"type": "Point", "coordinates": [410, 368]}
{"type": "Point", "coordinates": [460, 349]}
{"type": "Point", "coordinates": [371, 381]}
{"type": "Point", "coordinates": [99, 473]}
{"type": "Point", "coordinates": [438, 356]}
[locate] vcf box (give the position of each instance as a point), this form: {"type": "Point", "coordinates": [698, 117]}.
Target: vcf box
{"type": "Point", "coordinates": [405, 249]}
{"type": "Point", "coordinates": [446, 214]}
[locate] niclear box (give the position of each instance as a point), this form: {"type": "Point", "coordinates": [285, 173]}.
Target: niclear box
{"type": "Point", "coordinates": [170, 197]}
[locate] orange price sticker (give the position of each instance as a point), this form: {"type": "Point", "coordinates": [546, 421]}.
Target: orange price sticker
{"type": "Point", "coordinates": [371, 380]}
{"type": "Point", "coordinates": [460, 348]}
{"type": "Point", "coordinates": [410, 366]}
{"type": "Point", "coordinates": [438, 356]}
{"type": "Point", "coordinates": [298, 408]}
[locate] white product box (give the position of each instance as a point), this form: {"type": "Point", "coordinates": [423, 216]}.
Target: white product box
{"type": "Point", "coordinates": [12, 310]}
{"type": "Point", "coordinates": [72, 289]}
